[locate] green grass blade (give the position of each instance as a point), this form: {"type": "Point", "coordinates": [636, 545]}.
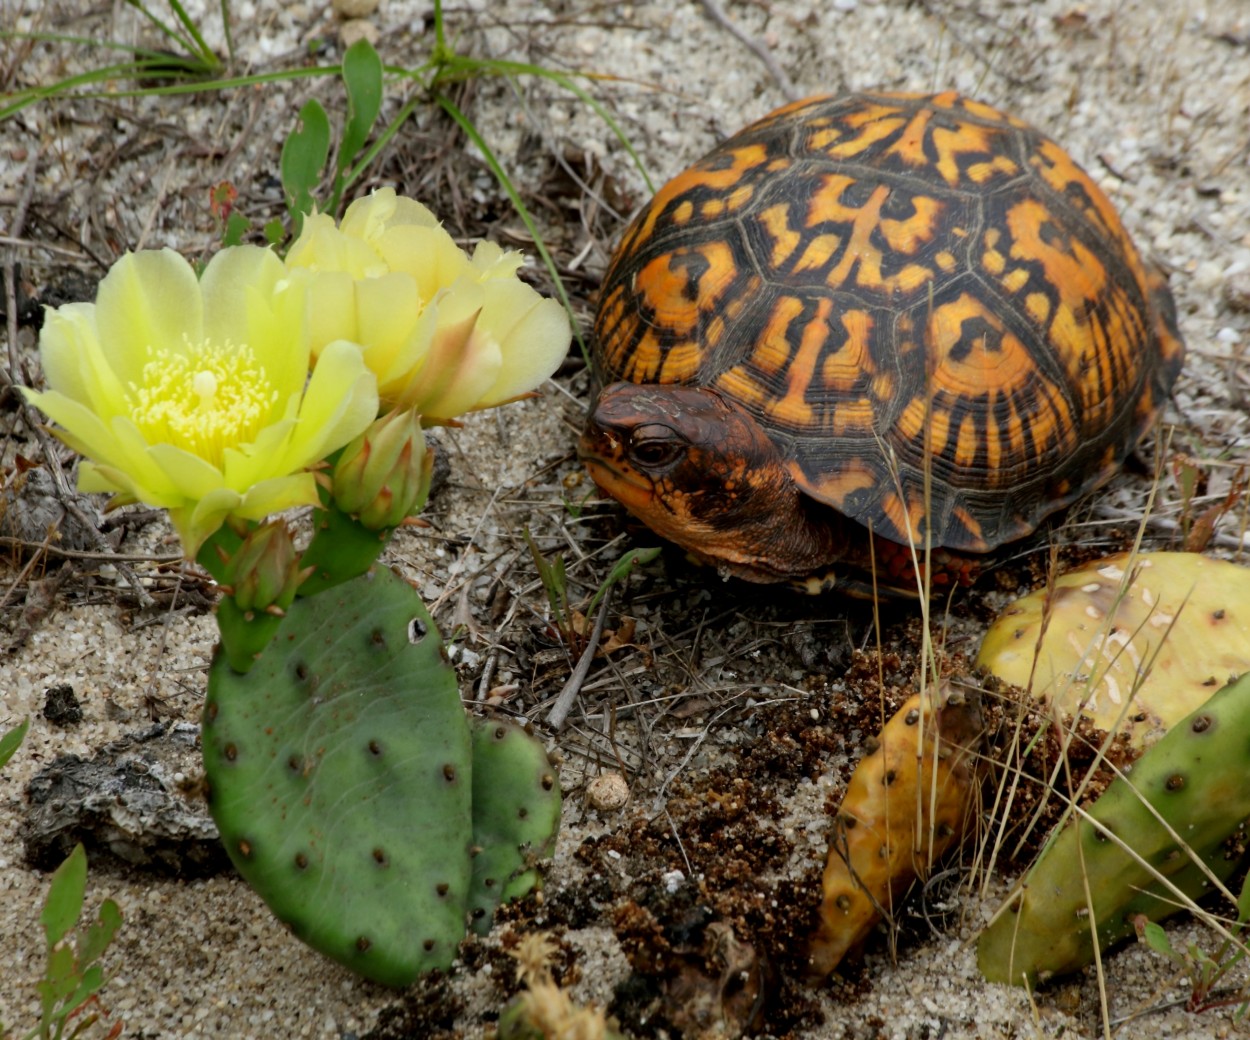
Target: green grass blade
{"type": "Point", "coordinates": [470, 66]}
{"type": "Point", "coordinates": [130, 70]}
{"type": "Point", "coordinates": [193, 30]}
{"type": "Point", "coordinates": [226, 29]}
{"type": "Point", "coordinates": [622, 569]}
{"type": "Point", "coordinates": [11, 741]}
{"type": "Point", "coordinates": [163, 27]}
{"type": "Point", "coordinates": [505, 182]}
{"type": "Point", "coordinates": [22, 99]}
{"type": "Point", "coordinates": [392, 128]}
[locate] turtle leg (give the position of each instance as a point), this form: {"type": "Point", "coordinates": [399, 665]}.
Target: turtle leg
{"type": "Point", "coordinates": [896, 574]}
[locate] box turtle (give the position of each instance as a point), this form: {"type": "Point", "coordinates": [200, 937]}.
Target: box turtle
{"type": "Point", "coordinates": [909, 314]}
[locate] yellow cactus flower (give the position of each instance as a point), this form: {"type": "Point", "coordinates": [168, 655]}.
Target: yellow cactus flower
{"type": "Point", "coordinates": [193, 394]}
{"type": "Point", "coordinates": [445, 333]}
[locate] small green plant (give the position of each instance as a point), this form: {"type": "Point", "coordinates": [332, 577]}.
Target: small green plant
{"type": "Point", "coordinates": [72, 975]}
{"type": "Point", "coordinates": [1205, 971]}
{"type": "Point", "coordinates": [1198, 525]}
{"type": "Point", "coordinates": [307, 148]}
{"type": "Point", "coordinates": [555, 584]}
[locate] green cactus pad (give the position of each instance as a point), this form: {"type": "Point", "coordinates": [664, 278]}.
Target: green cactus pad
{"type": "Point", "coordinates": [1195, 779]}
{"type": "Point", "coordinates": [1133, 643]}
{"type": "Point", "coordinates": [339, 771]}
{"type": "Point", "coordinates": [516, 811]}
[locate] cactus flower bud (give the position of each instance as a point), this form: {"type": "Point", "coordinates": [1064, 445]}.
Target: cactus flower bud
{"type": "Point", "coordinates": [383, 476]}
{"type": "Point", "coordinates": [261, 578]}
{"type": "Point", "coordinates": [265, 571]}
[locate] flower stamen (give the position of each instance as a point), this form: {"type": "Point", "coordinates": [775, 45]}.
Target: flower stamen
{"type": "Point", "coordinates": [203, 399]}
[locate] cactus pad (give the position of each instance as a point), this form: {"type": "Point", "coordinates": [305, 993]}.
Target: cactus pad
{"type": "Point", "coordinates": [906, 804]}
{"type": "Point", "coordinates": [1194, 779]}
{"type": "Point", "coordinates": [340, 778]}
{"type": "Point", "coordinates": [1178, 632]}
{"type": "Point", "coordinates": [516, 810]}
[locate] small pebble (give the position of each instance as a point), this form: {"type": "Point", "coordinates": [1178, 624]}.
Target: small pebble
{"type": "Point", "coordinates": [358, 29]}
{"type": "Point", "coordinates": [1237, 291]}
{"type": "Point", "coordinates": [607, 792]}
{"type": "Point", "coordinates": [348, 9]}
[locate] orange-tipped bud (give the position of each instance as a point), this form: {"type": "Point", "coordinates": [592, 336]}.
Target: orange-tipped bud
{"type": "Point", "coordinates": [383, 476]}
{"type": "Point", "coordinates": [265, 570]}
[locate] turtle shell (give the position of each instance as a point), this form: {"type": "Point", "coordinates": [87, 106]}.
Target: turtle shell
{"type": "Point", "coordinates": [919, 299]}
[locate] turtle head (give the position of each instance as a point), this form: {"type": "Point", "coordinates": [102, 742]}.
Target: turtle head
{"type": "Point", "coordinates": [699, 471]}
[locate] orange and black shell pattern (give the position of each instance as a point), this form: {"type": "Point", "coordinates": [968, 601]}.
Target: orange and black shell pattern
{"type": "Point", "coordinates": [920, 298]}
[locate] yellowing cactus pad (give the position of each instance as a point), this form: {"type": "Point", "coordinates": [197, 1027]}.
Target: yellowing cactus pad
{"type": "Point", "coordinates": [1174, 627]}
{"type": "Point", "coordinates": [907, 804]}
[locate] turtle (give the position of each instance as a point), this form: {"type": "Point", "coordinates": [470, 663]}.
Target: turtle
{"type": "Point", "coordinates": [870, 331]}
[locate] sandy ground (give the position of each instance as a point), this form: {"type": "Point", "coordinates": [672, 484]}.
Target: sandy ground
{"type": "Point", "coordinates": [1152, 97]}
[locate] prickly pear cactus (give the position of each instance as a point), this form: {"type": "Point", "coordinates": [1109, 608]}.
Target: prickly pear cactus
{"type": "Point", "coordinates": [340, 778]}
{"type": "Point", "coordinates": [516, 810]}
{"type": "Point", "coordinates": [1194, 779]}
{"type": "Point", "coordinates": [1173, 626]}
{"type": "Point", "coordinates": [907, 803]}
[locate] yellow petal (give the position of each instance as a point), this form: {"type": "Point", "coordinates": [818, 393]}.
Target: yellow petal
{"type": "Point", "coordinates": [235, 281]}
{"type": "Point", "coordinates": [331, 303]}
{"type": "Point", "coordinates": [73, 363]}
{"type": "Point", "coordinates": [533, 333]}
{"type": "Point", "coordinates": [461, 367]}
{"type": "Point", "coordinates": [95, 479]}
{"type": "Point", "coordinates": [252, 463]}
{"type": "Point", "coordinates": [323, 247]}
{"type": "Point", "coordinates": [366, 218]}
{"type": "Point", "coordinates": [493, 262]}
{"type": "Point", "coordinates": [193, 477]}
{"type": "Point", "coordinates": [388, 307]}
{"type": "Point", "coordinates": [94, 437]}
{"type": "Point", "coordinates": [277, 494]}
{"type": "Point", "coordinates": [477, 372]}
{"type": "Point", "coordinates": [147, 299]}
{"type": "Point", "coordinates": [399, 384]}
{"type": "Point", "coordinates": [410, 211]}
{"type": "Point", "coordinates": [194, 523]}
{"type": "Point", "coordinates": [428, 254]}
{"type": "Point", "coordinates": [340, 401]}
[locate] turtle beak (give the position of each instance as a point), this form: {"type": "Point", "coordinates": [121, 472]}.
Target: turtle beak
{"type": "Point", "coordinates": [601, 450]}
{"type": "Point", "coordinates": [598, 450]}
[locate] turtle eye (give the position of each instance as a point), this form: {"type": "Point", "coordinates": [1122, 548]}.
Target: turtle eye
{"type": "Point", "coordinates": [653, 446]}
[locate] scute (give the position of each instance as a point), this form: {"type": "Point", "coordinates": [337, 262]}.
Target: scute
{"type": "Point", "coordinates": [893, 284]}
